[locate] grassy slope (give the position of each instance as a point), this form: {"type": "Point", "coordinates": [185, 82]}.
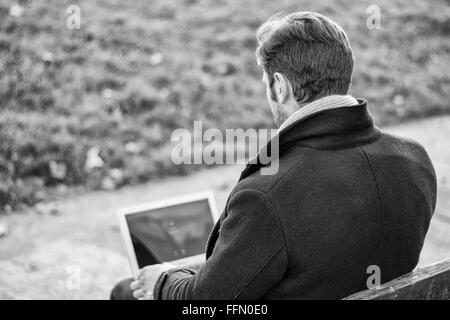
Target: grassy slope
{"type": "Point", "coordinates": [134, 72]}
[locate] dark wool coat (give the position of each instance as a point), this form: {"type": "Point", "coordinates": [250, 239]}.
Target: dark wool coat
{"type": "Point", "coordinates": [346, 197]}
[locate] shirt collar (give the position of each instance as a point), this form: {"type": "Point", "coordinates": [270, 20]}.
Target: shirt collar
{"type": "Point", "coordinates": [312, 108]}
{"type": "Point", "coordinates": [319, 105]}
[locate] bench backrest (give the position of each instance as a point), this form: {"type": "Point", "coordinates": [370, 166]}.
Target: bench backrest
{"type": "Point", "coordinates": [431, 282]}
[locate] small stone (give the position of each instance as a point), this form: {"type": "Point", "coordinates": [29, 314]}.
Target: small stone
{"type": "Point", "coordinates": [225, 185]}
{"type": "Point", "coordinates": [62, 189]}
{"type": "Point", "coordinates": [4, 230]}
{"type": "Point", "coordinates": [133, 147]}
{"type": "Point", "coordinates": [54, 211]}
{"type": "Point", "coordinates": [15, 11]}
{"type": "Point", "coordinates": [32, 267]}
{"type": "Point", "coordinates": [93, 159]}
{"type": "Point", "coordinates": [108, 183]}
{"type": "Point", "coordinates": [399, 100]}
{"type": "Point", "coordinates": [156, 58]}
{"type": "Point", "coordinates": [225, 69]}
{"type": "Point", "coordinates": [47, 209]}
{"type": "Point", "coordinates": [40, 195]}
{"type": "Point", "coordinates": [47, 56]}
{"type": "Point", "coordinates": [107, 93]}
{"type": "Point", "coordinates": [7, 208]}
{"type": "Point", "coordinates": [58, 170]}
{"type": "Point", "coordinates": [116, 174]}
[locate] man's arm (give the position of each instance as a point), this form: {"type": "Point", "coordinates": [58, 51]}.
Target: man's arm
{"type": "Point", "coordinates": [248, 259]}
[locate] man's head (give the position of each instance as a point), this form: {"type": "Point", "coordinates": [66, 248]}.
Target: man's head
{"type": "Point", "coordinates": [305, 56]}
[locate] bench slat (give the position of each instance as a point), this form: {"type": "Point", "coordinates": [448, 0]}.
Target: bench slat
{"type": "Point", "coordinates": [431, 282]}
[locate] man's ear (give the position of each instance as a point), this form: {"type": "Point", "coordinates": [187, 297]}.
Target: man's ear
{"type": "Point", "coordinates": [282, 87]}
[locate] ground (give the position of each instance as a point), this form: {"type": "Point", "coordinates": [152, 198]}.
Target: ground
{"type": "Point", "coordinates": [117, 87]}
{"type": "Point", "coordinates": [42, 251]}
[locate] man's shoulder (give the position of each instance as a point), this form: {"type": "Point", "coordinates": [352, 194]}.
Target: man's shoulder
{"type": "Point", "coordinates": [265, 181]}
{"type": "Point", "coordinates": [401, 141]}
{"type": "Point", "coordinates": [406, 147]}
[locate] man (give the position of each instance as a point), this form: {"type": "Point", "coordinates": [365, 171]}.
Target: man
{"type": "Point", "coordinates": [346, 197]}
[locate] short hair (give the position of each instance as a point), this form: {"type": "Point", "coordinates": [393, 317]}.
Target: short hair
{"type": "Point", "coordinates": [311, 50]}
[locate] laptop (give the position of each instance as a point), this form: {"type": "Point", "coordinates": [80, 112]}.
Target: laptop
{"type": "Point", "coordinates": [174, 230]}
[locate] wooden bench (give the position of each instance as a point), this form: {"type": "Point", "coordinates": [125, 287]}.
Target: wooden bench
{"type": "Point", "coordinates": [431, 282]}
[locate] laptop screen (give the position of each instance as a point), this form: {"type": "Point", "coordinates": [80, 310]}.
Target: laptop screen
{"type": "Point", "coordinates": [170, 233]}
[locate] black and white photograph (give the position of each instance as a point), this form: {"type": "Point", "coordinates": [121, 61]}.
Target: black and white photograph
{"type": "Point", "coordinates": [224, 150]}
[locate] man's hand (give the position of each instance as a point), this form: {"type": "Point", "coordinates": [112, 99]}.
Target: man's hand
{"type": "Point", "coordinates": [143, 287]}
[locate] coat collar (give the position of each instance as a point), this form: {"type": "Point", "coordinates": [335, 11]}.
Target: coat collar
{"type": "Point", "coordinates": [327, 130]}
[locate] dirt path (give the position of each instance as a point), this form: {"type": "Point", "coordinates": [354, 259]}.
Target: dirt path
{"type": "Point", "coordinates": [42, 253]}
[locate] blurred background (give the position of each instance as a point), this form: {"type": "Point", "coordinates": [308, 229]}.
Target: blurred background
{"type": "Point", "coordinates": [86, 116]}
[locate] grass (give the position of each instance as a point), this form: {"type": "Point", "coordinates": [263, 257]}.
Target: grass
{"type": "Point", "coordinates": [135, 72]}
